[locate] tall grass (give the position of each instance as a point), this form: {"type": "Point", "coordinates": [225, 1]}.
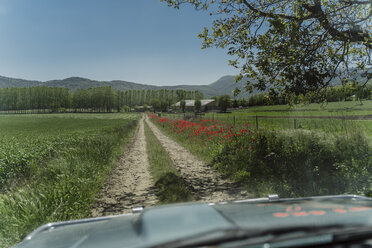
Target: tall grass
{"type": "Point", "coordinates": [61, 185]}
{"type": "Point", "coordinates": [299, 163]}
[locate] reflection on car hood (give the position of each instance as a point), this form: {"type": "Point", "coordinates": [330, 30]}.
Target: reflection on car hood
{"type": "Point", "coordinates": [164, 224]}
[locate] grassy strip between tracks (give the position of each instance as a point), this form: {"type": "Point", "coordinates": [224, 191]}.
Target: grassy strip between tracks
{"type": "Point", "coordinates": [171, 187]}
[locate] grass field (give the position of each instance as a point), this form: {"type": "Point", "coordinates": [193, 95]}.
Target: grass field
{"type": "Point", "coordinates": [263, 120]}
{"type": "Point", "coordinates": [290, 156]}
{"type": "Point", "coordinates": [51, 166]}
{"type": "Point", "coordinates": [326, 109]}
{"type": "Point", "coordinates": [332, 109]}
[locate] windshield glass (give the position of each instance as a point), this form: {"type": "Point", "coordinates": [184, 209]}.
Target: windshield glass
{"type": "Point", "coordinates": [107, 106]}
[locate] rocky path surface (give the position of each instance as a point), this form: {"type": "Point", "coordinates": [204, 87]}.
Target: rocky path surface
{"type": "Point", "coordinates": [206, 184]}
{"type": "Point", "coordinates": [130, 183]}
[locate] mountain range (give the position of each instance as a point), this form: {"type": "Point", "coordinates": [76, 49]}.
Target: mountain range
{"type": "Point", "coordinates": [224, 85]}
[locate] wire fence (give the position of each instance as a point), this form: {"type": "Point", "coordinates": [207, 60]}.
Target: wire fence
{"type": "Point", "coordinates": [326, 123]}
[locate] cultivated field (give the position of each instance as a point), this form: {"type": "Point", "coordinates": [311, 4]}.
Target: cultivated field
{"type": "Point", "coordinates": [51, 166]}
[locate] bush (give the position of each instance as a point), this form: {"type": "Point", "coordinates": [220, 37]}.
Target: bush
{"type": "Point", "coordinates": [298, 162]}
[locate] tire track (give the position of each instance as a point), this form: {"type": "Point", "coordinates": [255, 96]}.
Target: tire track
{"type": "Point", "coordinates": [206, 184]}
{"type": "Point", "coordinates": [130, 183]}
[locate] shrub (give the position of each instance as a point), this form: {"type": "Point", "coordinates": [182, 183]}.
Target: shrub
{"type": "Point", "coordinates": [298, 162]}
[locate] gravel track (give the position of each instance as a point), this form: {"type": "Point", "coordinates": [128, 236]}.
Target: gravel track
{"type": "Point", "coordinates": [130, 183]}
{"type": "Point", "coordinates": [206, 183]}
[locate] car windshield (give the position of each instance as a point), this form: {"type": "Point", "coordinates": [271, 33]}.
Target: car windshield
{"type": "Point", "coordinates": [109, 107]}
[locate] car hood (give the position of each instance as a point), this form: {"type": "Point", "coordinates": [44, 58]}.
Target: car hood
{"type": "Point", "coordinates": [169, 223]}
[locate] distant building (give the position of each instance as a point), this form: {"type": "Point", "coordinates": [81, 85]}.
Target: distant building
{"type": "Point", "coordinates": [143, 108]}
{"type": "Point", "coordinates": [206, 105]}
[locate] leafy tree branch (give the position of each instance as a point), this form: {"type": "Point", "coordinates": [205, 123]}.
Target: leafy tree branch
{"type": "Point", "coordinates": [290, 46]}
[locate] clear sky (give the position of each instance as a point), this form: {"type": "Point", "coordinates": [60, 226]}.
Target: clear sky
{"type": "Point", "coordinates": [142, 41]}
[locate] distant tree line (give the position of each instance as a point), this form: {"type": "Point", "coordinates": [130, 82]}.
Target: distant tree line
{"type": "Point", "coordinates": [100, 99]}
{"type": "Point", "coordinates": [34, 98]}
{"type": "Point", "coordinates": [333, 94]}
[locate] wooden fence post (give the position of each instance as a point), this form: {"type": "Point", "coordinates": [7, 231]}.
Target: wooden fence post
{"type": "Point", "coordinates": [256, 122]}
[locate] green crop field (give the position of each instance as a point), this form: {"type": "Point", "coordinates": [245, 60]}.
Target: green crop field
{"type": "Point", "coordinates": [52, 165]}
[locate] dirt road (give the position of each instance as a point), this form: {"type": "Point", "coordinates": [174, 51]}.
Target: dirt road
{"type": "Point", "coordinates": [130, 183]}
{"type": "Point", "coordinates": [207, 185]}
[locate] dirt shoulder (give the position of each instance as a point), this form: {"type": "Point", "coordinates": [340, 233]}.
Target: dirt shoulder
{"type": "Point", "coordinates": [130, 183]}
{"type": "Point", "coordinates": [206, 183]}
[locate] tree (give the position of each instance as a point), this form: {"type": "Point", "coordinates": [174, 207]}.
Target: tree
{"type": "Point", "coordinates": [197, 105]}
{"type": "Point", "coordinates": [163, 105]}
{"type": "Point", "coordinates": [290, 46]}
{"type": "Point", "coordinates": [223, 102]}
{"type": "Point", "coordinates": [243, 102]}
{"type": "Point", "coordinates": [156, 104]}
{"type": "Point", "coordinates": [183, 105]}
{"type": "Point", "coordinates": [235, 103]}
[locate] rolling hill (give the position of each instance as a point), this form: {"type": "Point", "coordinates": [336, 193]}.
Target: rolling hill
{"type": "Point", "coordinates": [224, 85]}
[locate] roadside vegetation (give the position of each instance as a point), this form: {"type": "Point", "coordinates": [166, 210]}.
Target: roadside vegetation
{"type": "Point", "coordinates": [170, 186]}
{"type": "Point", "coordinates": [290, 162]}
{"type": "Point", "coordinates": [52, 166]}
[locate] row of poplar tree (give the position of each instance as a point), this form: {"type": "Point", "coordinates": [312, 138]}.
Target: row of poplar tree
{"type": "Point", "coordinates": [100, 99]}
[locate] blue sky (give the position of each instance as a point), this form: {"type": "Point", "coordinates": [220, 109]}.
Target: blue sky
{"type": "Point", "coordinates": [142, 41]}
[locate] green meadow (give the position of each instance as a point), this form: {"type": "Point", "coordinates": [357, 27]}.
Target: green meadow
{"type": "Point", "coordinates": [329, 117]}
